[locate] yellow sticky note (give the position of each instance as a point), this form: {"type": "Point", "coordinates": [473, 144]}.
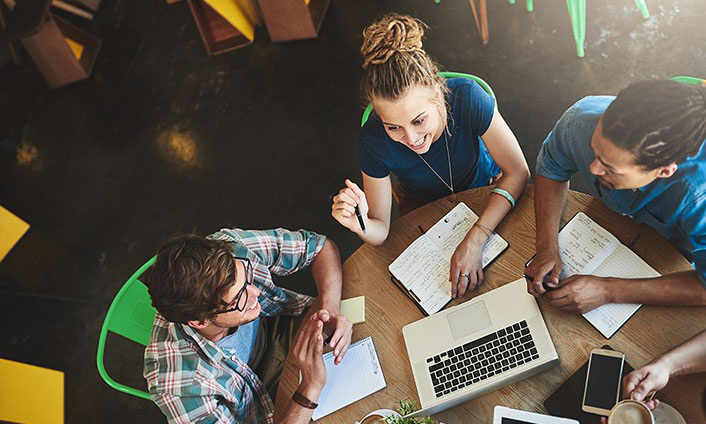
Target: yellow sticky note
{"type": "Point", "coordinates": [75, 47]}
{"type": "Point", "coordinates": [354, 309]}
{"type": "Point", "coordinates": [23, 386]}
{"type": "Point", "coordinates": [12, 229]}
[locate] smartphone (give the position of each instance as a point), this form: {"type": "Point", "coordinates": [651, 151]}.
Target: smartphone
{"type": "Point", "coordinates": [605, 371]}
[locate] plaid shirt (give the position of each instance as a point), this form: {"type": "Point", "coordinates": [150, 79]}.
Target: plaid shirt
{"type": "Point", "coordinates": [190, 378]}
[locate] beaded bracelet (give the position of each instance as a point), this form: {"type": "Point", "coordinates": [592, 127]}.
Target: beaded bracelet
{"type": "Point", "coordinates": [504, 194]}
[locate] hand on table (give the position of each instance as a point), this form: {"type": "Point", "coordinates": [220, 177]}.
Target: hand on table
{"type": "Point", "coordinates": [580, 293]}
{"type": "Point", "coordinates": [308, 354]}
{"type": "Point", "coordinates": [467, 266]}
{"type": "Point", "coordinates": [546, 262]}
{"type": "Point", "coordinates": [343, 207]}
{"type": "Point", "coordinates": [341, 331]}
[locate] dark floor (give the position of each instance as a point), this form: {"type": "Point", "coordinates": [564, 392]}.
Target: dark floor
{"type": "Point", "coordinates": [164, 138]}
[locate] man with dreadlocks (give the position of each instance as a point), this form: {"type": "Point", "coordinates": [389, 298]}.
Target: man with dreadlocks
{"type": "Point", "coordinates": [642, 155]}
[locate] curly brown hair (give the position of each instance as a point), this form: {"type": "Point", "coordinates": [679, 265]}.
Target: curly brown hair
{"type": "Point", "coordinates": [394, 60]}
{"type": "Point", "coordinates": [659, 121]}
{"type": "Point", "coordinates": [190, 278]}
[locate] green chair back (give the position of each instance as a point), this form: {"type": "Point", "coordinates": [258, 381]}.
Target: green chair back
{"type": "Point", "coordinates": [689, 80]}
{"type": "Point", "coordinates": [131, 315]}
{"type": "Point", "coordinates": [577, 15]}
{"type": "Point", "coordinates": [479, 80]}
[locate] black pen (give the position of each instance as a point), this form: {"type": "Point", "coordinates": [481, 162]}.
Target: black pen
{"type": "Point", "coordinates": [544, 283]}
{"type": "Point", "coordinates": [360, 218]}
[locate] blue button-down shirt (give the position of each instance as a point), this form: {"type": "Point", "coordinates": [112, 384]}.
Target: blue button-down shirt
{"type": "Point", "coordinates": [675, 207]}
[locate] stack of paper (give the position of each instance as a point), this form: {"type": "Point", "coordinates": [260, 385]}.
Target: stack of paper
{"type": "Point", "coordinates": [357, 376]}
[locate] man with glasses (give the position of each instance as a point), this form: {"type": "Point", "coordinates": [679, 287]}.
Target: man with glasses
{"type": "Point", "coordinates": [223, 328]}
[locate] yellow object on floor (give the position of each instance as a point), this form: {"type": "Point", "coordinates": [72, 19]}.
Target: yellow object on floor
{"type": "Point", "coordinates": [76, 48]}
{"type": "Point", "coordinates": [12, 229]}
{"type": "Point", "coordinates": [30, 394]}
{"type": "Point", "coordinates": [238, 12]}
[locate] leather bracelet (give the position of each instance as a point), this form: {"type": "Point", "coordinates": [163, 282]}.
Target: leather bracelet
{"type": "Point", "coordinates": [303, 401]}
{"type": "Point", "coordinates": [488, 232]}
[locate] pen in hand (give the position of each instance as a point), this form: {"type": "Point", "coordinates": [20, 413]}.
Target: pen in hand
{"type": "Point", "coordinates": [360, 218]}
{"type": "Point", "coordinates": [544, 283]}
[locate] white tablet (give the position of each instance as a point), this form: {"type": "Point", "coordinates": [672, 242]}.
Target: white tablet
{"type": "Point", "coordinates": [503, 415]}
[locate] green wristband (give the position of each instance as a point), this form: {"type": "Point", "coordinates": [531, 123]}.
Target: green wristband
{"type": "Point", "coordinates": [504, 194]}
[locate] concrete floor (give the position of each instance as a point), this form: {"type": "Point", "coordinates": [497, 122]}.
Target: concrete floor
{"type": "Point", "coordinates": [164, 139]}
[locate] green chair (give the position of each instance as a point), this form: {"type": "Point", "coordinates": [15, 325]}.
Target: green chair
{"type": "Point", "coordinates": [577, 14]}
{"type": "Point", "coordinates": [690, 80]}
{"type": "Point", "coordinates": [530, 5]}
{"type": "Point", "coordinates": [479, 80]}
{"type": "Point", "coordinates": [131, 315]}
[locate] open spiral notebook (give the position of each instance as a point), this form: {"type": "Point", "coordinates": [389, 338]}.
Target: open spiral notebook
{"type": "Point", "coordinates": [422, 270]}
{"type": "Point", "coordinates": [587, 248]}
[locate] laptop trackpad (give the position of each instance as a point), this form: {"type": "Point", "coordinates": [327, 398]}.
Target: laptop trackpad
{"type": "Point", "coordinates": [468, 320]}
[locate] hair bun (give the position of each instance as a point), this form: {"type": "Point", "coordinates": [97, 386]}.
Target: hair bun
{"type": "Point", "coordinates": [392, 34]}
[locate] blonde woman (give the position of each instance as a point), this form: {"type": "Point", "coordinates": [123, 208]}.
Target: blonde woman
{"type": "Point", "coordinates": [437, 136]}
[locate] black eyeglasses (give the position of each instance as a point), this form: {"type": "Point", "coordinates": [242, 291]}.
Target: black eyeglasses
{"type": "Point", "coordinates": [241, 299]}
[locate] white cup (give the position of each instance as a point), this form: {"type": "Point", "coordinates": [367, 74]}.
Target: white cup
{"type": "Point", "coordinates": [630, 412]}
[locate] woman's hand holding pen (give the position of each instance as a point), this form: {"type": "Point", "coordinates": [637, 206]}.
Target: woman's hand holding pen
{"type": "Point", "coordinates": [467, 263]}
{"type": "Point", "coordinates": [344, 204]}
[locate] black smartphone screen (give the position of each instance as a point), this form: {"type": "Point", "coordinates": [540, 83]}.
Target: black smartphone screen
{"type": "Point", "coordinates": [603, 381]}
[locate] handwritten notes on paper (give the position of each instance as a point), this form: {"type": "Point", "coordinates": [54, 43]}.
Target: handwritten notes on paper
{"type": "Point", "coordinates": [424, 267]}
{"type": "Point", "coordinates": [583, 245]}
{"type": "Point", "coordinates": [357, 376]}
{"type": "Point", "coordinates": [587, 248]}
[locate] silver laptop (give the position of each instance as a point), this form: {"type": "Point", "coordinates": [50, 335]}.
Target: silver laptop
{"type": "Point", "coordinates": [477, 347]}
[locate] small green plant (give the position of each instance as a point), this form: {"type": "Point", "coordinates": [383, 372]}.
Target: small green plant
{"type": "Point", "coordinates": [407, 407]}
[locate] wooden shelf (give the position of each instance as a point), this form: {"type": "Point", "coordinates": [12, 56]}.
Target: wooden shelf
{"type": "Point", "coordinates": [44, 35]}
{"type": "Point", "coordinates": [288, 20]}
{"type": "Point", "coordinates": [217, 33]}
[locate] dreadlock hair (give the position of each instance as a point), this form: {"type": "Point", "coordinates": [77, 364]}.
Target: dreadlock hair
{"type": "Point", "coordinates": [659, 121]}
{"type": "Point", "coordinates": [394, 60]}
{"type": "Point", "coordinates": [190, 278]}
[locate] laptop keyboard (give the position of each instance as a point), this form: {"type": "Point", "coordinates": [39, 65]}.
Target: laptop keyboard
{"type": "Point", "coordinates": [479, 359]}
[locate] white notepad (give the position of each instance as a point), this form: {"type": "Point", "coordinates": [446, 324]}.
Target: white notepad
{"type": "Point", "coordinates": [357, 376]}
{"type": "Point", "coordinates": [587, 248]}
{"type": "Point", "coordinates": [423, 268]}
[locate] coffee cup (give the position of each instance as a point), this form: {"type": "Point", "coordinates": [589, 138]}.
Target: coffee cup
{"type": "Point", "coordinates": [630, 412]}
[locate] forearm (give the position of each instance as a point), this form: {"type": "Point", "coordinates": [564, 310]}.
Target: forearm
{"type": "Point", "coordinates": [297, 414]}
{"type": "Point", "coordinates": [549, 200]}
{"type": "Point", "coordinates": [376, 231]}
{"type": "Point", "coordinates": [687, 358]}
{"type": "Point", "coordinates": [498, 206]}
{"type": "Point", "coordinates": [680, 288]}
{"type": "Point", "coordinates": [328, 277]}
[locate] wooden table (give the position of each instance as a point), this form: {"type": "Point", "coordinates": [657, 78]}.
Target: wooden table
{"type": "Point", "coordinates": [649, 333]}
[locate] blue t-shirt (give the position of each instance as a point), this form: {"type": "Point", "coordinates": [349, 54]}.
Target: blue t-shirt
{"type": "Point", "coordinates": [242, 342]}
{"type": "Point", "coordinates": [471, 110]}
{"type": "Point", "coordinates": [675, 207]}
